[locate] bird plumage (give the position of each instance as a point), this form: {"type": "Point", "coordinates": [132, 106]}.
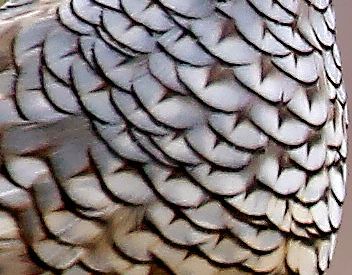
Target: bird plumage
{"type": "Point", "coordinates": [170, 137]}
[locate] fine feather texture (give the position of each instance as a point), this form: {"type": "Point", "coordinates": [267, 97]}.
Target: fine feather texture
{"type": "Point", "coordinates": [170, 137]}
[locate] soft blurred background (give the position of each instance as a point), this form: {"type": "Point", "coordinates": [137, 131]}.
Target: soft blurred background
{"type": "Point", "coordinates": [343, 255]}
{"type": "Point", "coordinates": [341, 264]}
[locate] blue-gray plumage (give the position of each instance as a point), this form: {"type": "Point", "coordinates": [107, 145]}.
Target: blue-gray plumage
{"type": "Point", "coordinates": [170, 137]}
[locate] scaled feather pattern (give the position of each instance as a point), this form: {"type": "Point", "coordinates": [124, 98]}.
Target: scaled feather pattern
{"type": "Point", "coordinates": [170, 137]}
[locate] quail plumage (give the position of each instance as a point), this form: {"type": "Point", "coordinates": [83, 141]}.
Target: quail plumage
{"type": "Point", "coordinates": [170, 137]}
